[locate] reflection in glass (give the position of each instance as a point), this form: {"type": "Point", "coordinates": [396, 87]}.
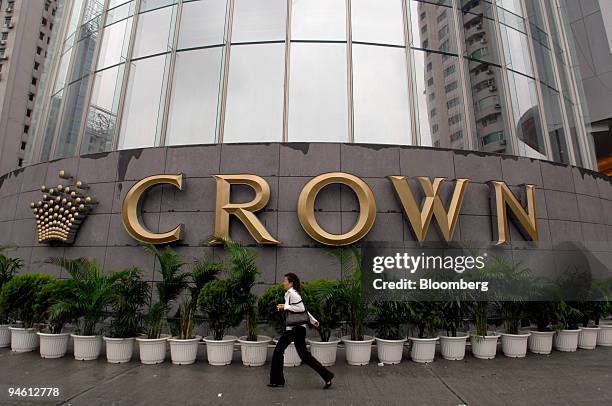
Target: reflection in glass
{"type": "Point", "coordinates": [54, 108]}
{"type": "Point", "coordinates": [259, 20]}
{"type": "Point", "coordinates": [202, 23]}
{"type": "Point", "coordinates": [380, 91]}
{"type": "Point", "coordinates": [526, 116]}
{"type": "Point", "coordinates": [71, 118]}
{"type": "Point", "coordinates": [102, 115]}
{"type": "Point", "coordinates": [318, 93]}
{"type": "Point", "coordinates": [152, 4]}
{"type": "Point", "coordinates": [119, 13]}
{"type": "Point", "coordinates": [154, 32]}
{"type": "Point", "coordinates": [516, 50]}
{"type": "Point", "coordinates": [378, 22]}
{"type": "Point", "coordinates": [143, 107]}
{"type": "Point", "coordinates": [254, 109]}
{"type": "Point", "coordinates": [115, 42]}
{"type": "Point", "coordinates": [318, 20]}
{"type": "Point", "coordinates": [195, 97]}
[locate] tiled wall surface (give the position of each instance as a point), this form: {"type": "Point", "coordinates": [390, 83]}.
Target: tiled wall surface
{"type": "Point", "coordinates": [573, 205]}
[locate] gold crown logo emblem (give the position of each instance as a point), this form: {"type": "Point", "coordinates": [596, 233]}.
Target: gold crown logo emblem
{"type": "Point", "coordinates": [61, 211]}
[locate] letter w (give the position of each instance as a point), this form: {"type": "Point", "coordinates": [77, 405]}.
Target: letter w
{"type": "Point", "coordinates": [432, 205]}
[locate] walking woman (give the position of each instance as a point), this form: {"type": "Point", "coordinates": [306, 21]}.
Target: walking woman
{"type": "Point", "coordinates": [297, 319]}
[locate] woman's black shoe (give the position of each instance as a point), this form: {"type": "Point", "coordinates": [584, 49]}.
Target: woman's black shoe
{"type": "Point", "coordinates": [276, 385]}
{"type": "Point", "coordinates": [328, 384]}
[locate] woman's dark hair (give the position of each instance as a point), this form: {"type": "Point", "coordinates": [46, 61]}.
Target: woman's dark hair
{"type": "Point", "coordinates": [293, 278]}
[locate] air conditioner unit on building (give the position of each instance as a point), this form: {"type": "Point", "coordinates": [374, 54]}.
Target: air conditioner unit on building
{"type": "Point", "coordinates": [9, 9]}
{"type": "Point", "coordinates": [497, 106]}
{"type": "Point", "coordinates": [493, 88]}
{"type": "Point", "coordinates": [483, 40]}
{"type": "Point", "coordinates": [3, 57]}
{"type": "Point", "coordinates": [2, 42]}
{"type": "Point", "coordinates": [502, 142]}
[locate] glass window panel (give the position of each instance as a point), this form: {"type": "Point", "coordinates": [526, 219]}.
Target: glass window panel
{"type": "Point", "coordinates": [318, 20]}
{"type": "Point", "coordinates": [479, 34]}
{"type": "Point", "coordinates": [102, 114]}
{"type": "Point", "coordinates": [526, 116]}
{"type": "Point", "coordinates": [115, 42]}
{"type": "Point", "coordinates": [254, 110]}
{"type": "Point", "coordinates": [259, 20]}
{"type": "Point", "coordinates": [62, 73]}
{"type": "Point", "coordinates": [71, 118]}
{"type": "Point", "coordinates": [378, 21]}
{"type": "Point", "coordinates": [428, 20]}
{"type": "Point", "coordinates": [54, 107]}
{"type": "Point", "coordinates": [119, 13]}
{"type": "Point", "coordinates": [143, 103]}
{"type": "Point", "coordinates": [195, 94]}
{"type": "Point", "coordinates": [318, 93]}
{"type": "Point", "coordinates": [380, 89]}
{"type": "Point", "coordinates": [516, 50]}
{"type": "Point", "coordinates": [153, 4]}
{"type": "Point", "coordinates": [114, 3]}
{"type": "Point", "coordinates": [154, 32]}
{"type": "Point", "coordinates": [202, 23]}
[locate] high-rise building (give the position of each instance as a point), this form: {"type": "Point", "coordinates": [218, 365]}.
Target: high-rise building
{"type": "Point", "coordinates": [591, 23]}
{"type": "Point", "coordinates": [25, 35]}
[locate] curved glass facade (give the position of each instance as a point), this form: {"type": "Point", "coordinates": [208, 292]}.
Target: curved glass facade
{"type": "Point", "coordinates": [486, 75]}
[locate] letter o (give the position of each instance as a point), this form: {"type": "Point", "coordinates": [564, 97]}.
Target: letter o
{"type": "Point", "coordinates": [367, 208]}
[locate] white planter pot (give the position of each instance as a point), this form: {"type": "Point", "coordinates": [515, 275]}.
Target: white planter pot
{"type": "Point", "coordinates": [484, 347]}
{"type": "Point", "coordinates": [184, 352]}
{"type": "Point", "coordinates": [358, 352]}
{"type": "Point", "coordinates": [390, 351]}
{"type": "Point", "coordinates": [254, 353]}
{"type": "Point", "coordinates": [604, 335]}
{"type": "Point", "coordinates": [86, 348]}
{"type": "Point", "coordinates": [566, 340]}
{"type": "Point", "coordinates": [291, 358]}
{"type": "Point", "coordinates": [119, 350]}
{"type": "Point", "coordinates": [220, 352]}
{"type": "Point", "coordinates": [5, 335]}
{"type": "Point", "coordinates": [453, 348]}
{"type": "Point", "coordinates": [53, 345]}
{"type": "Point", "coordinates": [423, 349]}
{"type": "Point", "coordinates": [515, 345]}
{"type": "Point", "coordinates": [152, 350]}
{"type": "Point", "coordinates": [324, 351]}
{"type": "Point", "coordinates": [23, 339]}
{"type": "Point", "coordinates": [587, 338]}
{"type": "Point", "coordinates": [540, 342]}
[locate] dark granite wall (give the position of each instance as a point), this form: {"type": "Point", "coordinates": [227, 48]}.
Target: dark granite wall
{"type": "Point", "coordinates": [573, 204]}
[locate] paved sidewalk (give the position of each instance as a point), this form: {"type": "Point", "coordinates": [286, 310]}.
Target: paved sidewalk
{"type": "Point", "coordinates": [581, 378]}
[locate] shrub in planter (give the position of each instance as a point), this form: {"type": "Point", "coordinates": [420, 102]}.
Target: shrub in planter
{"type": "Point", "coordinates": [8, 268]}
{"type": "Point", "coordinates": [19, 299]}
{"type": "Point", "coordinates": [266, 307]}
{"type": "Point", "coordinates": [130, 295]}
{"type": "Point", "coordinates": [325, 347]}
{"type": "Point", "coordinates": [427, 319]}
{"type": "Point", "coordinates": [223, 311]}
{"type": "Point", "coordinates": [390, 334]}
{"type": "Point", "coordinates": [184, 346]}
{"type": "Point", "coordinates": [53, 341]}
{"type": "Point", "coordinates": [566, 320]}
{"type": "Point", "coordinates": [541, 339]}
{"type": "Point", "coordinates": [454, 313]}
{"type": "Point", "coordinates": [92, 292]}
{"type": "Point", "coordinates": [152, 345]}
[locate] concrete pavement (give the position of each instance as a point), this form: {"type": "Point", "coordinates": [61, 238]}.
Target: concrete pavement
{"type": "Point", "coordinates": [581, 378]}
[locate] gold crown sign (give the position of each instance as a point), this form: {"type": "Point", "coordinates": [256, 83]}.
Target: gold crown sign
{"type": "Point", "coordinates": [61, 211]}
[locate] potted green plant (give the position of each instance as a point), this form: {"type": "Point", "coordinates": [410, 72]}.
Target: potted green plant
{"type": "Point", "coordinates": [324, 347]}
{"type": "Point", "coordinates": [243, 273]}
{"type": "Point", "coordinates": [593, 308]}
{"type": "Point", "coordinates": [482, 341]}
{"type": "Point", "coordinates": [8, 268]}
{"type": "Point", "coordinates": [358, 345]}
{"type": "Point", "coordinates": [153, 344]}
{"type": "Point", "coordinates": [266, 307]}
{"type": "Point", "coordinates": [426, 316]}
{"type": "Point", "coordinates": [602, 292]}
{"type": "Point", "coordinates": [130, 295]}
{"type": "Point", "coordinates": [53, 341]}
{"type": "Point", "coordinates": [539, 312]}
{"type": "Point", "coordinates": [454, 313]}
{"type": "Point", "coordinates": [566, 319]}
{"type": "Point", "coordinates": [19, 300]}
{"type": "Point", "coordinates": [91, 294]}
{"type": "Point", "coordinates": [184, 345]}
{"type": "Point", "coordinates": [390, 336]}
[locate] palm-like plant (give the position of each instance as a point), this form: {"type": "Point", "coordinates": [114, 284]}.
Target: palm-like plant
{"type": "Point", "coordinates": [329, 317]}
{"type": "Point", "coordinates": [426, 317]}
{"type": "Point", "coordinates": [218, 302]}
{"type": "Point", "coordinates": [51, 294]}
{"type": "Point", "coordinates": [349, 290]}
{"type": "Point", "coordinates": [389, 317]}
{"type": "Point", "coordinates": [168, 289]}
{"type": "Point", "coordinates": [130, 295]}
{"type": "Point", "coordinates": [8, 268]}
{"type": "Point", "coordinates": [91, 294]}
{"type": "Point", "coordinates": [19, 298]}
{"type": "Point", "coordinates": [243, 272]}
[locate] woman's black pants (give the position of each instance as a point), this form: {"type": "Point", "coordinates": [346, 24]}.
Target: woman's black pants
{"type": "Point", "coordinates": [298, 336]}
